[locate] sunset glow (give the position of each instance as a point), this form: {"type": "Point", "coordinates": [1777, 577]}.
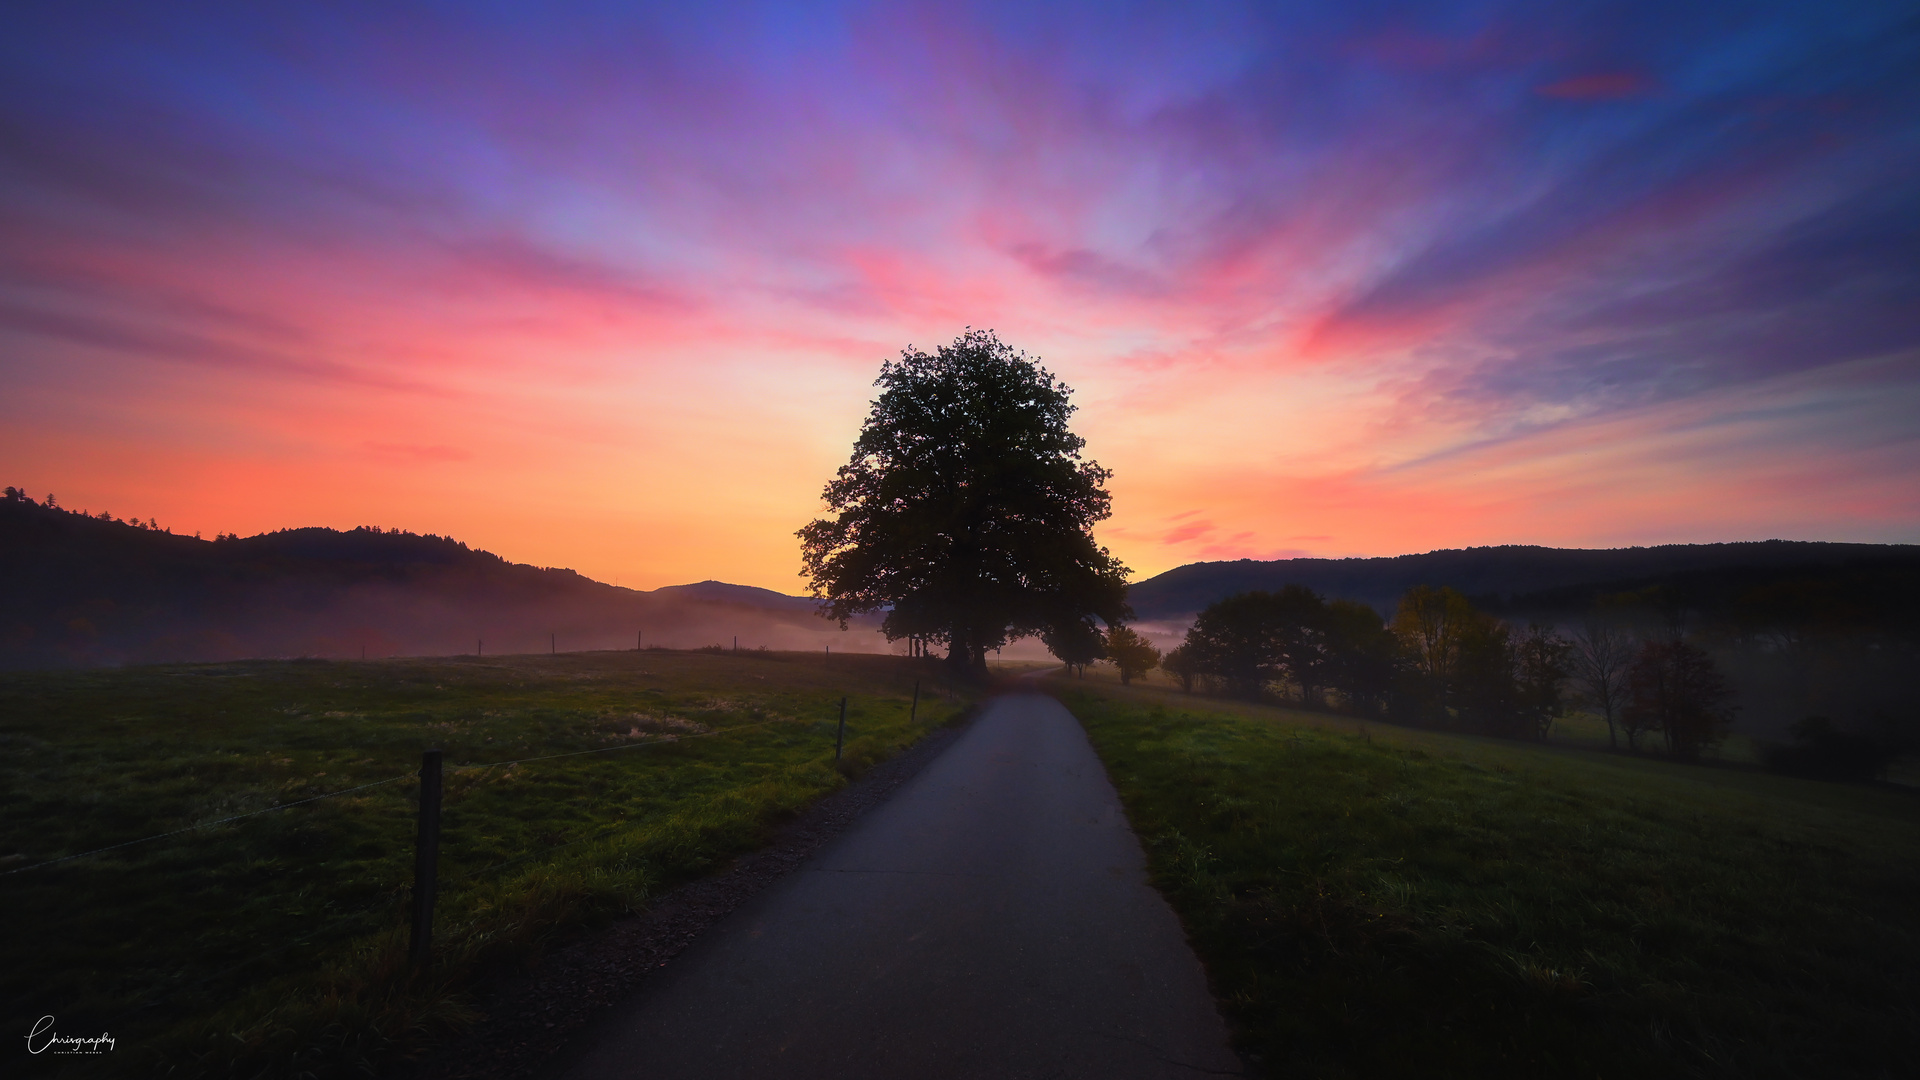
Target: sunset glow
{"type": "Point", "coordinates": [609, 289]}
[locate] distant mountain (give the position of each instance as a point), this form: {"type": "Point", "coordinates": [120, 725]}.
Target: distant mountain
{"type": "Point", "coordinates": [719, 592]}
{"type": "Point", "coordinates": [83, 590]}
{"type": "Point", "coordinates": [1506, 577]}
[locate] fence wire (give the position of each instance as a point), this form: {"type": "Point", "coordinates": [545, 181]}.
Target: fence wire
{"type": "Point", "coordinates": [211, 824]}
{"type": "Point", "coordinates": [667, 741]}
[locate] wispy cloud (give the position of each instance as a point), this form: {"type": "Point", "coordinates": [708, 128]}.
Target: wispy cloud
{"type": "Point", "coordinates": [1319, 273]}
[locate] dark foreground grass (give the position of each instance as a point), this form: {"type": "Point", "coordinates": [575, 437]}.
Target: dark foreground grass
{"type": "Point", "coordinates": [275, 945]}
{"type": "Point", "coordinates": [1392, 903]}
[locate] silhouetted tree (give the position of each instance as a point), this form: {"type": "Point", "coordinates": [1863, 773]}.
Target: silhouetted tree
{"type": "Point", "coordinates": [1234, 639]}
{"type": "Point", "coordinates": [1255, 638]}
{"type": "Point", "coordinates": [1076, 643]}
{"type": "Point", "coordinates": [1131, 653]}
{"type": "Point", "coordinates": [1179, 663]}
{"type": "Point", "coordinates": [1479, 687]}
{"type": "Point", "coordinates": [1542, 662]}
{"type": "Point", "coordinates": [1464, 668]}
{"type": "Point", "coordinates": [1674, 688]}
{"type": "Point", "coordinates": [1362, 656]}
{"type": "Point", "coordinates": [1298, 632]}
{"type": "Point", "coordinates": [1601, 655]}
{"type": "Point", "coordinates": [1431, 625]}
{"type": "Point", "coordinates": [966, 508]}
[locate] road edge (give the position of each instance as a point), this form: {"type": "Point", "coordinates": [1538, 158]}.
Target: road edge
{"type": "Point", "coordinates": [532, 1020]}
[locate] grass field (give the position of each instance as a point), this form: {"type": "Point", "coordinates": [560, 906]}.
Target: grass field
{"type": "Point", "coordinates": [275, 944]}
{"type": "Point", "coordinates": [1378, 902]}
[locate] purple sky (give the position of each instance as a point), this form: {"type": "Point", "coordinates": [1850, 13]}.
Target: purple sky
{"type": "Point", "coordinates": [606, 287]}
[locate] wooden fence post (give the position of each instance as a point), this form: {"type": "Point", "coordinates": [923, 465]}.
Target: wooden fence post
{"type": "Point", "coordinates": [914, 714]}
{"type": "Point", "coordinates": [840, 737]}
{"type": "Point", "coordinates": [426, 857]}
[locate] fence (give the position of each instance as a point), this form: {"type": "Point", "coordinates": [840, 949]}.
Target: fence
{"type": "Point", "coordinates": [427, 841]}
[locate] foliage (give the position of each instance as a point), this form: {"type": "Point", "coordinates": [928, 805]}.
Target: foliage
{"type": "Point", "coordinates": [1480, 693]}
{"type": "Point", "coordinates": [1075, 643]}
{"type": "Point", "coordinates": [1469, 670]}
{"type": "Point", "coordinates": [273, 945]}
{"type": "Point", "coordinates": [1131, 654]}
{"type": "Point", "coordinates": [1181, 663]}
{"type": "Point", "coordinates": [1363, 658]}
{"type": "Point", "coordinates": [1442, 663]}
{"type": "Point", "coordinates": [1416, 904]}
{"type": "Point", "coordinates": [1431, 625]}
{"type": "Point", "coordinates": [1254, 638]}
{"type": "Point", "coordinates": [1542, 661]}
{"type": "Point", "coordinates": [1673, 688]}
{"type": "Point", "coordinates": [966, 510]}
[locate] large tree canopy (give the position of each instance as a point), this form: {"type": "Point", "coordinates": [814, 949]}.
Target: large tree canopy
{"type": "Point", "coordinates": [967, 509]}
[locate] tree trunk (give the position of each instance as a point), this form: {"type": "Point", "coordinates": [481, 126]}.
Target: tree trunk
{"type": "Point", "coordinates": [959, 653]}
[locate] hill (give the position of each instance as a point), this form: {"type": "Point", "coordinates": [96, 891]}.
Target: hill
{"type": "Point", "coordinates": [1799, 629]}
{"type": "Point", "coordinates": [1513, 576]}
{"type": "Point", "coordinates": [88, 590]}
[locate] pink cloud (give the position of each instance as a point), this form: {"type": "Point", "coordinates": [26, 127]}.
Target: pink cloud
{"type": "Point", "coordinates": [1190, 531]}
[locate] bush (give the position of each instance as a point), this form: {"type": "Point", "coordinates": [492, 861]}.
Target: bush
{"type": "Point", "coordinates": [1821, 751]}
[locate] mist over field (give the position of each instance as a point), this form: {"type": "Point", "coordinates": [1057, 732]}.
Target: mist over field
{"type": "Point", "coordinates": [90, 591]}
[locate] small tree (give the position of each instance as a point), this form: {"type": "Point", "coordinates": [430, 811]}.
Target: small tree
{"type": "Point", "coordinates": [1232, 638]}
{"type": "Point", "coordinates": [1131, 653]}
{"type": "Point", "coordinates": [1254, 638]}
{"type": "Point", "coordinates": [1481, 689]}
{"type": "Point", "coordinates": [1541, 665]}
{"type": "Point", "coordinates": [1674, 688]}
{"type": "Point", "coordinates": [1180, 664]}
{"type": "Point", "coordinates": [1075, 643]}
{"type": "Point", "coordinates": [1432, 625]}
{"type": "Point", "coordinates": [1298, 632]}
{"type": "Point", "coordinates": [1601, 655]}
{"type": "Point", "coordinates": [1362, 656]}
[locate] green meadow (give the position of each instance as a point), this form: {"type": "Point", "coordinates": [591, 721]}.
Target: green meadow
{"type": "Point", "coordinates": [275, 944]}
{"type": "Point", "coordinates": [1373, 901]}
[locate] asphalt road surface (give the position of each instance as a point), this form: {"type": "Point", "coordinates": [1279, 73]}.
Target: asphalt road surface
{"type": "Point", "coordinates": [992, 920]}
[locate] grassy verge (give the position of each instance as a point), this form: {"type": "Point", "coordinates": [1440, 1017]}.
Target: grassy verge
{"type": "Point", "coordinates": [274, 945]}
{"type": "Point", "coordinates": [1376, 902]}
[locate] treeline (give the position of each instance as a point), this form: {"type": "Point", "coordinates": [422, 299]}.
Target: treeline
{"type": "Point", "coordinates": [1441, 663]}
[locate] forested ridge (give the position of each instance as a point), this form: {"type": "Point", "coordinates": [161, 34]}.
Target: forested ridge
{"type": "Point", "coordinates": [1518, 577]}
{"type": "Point", "coordinates": [94, 589]}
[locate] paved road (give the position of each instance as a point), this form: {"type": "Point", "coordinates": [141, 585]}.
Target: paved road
{"type": "Point", "coordinates": [992, 920]}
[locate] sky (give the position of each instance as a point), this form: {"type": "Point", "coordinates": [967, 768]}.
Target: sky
{"type": "Point", "coordinates": [606, 286]}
